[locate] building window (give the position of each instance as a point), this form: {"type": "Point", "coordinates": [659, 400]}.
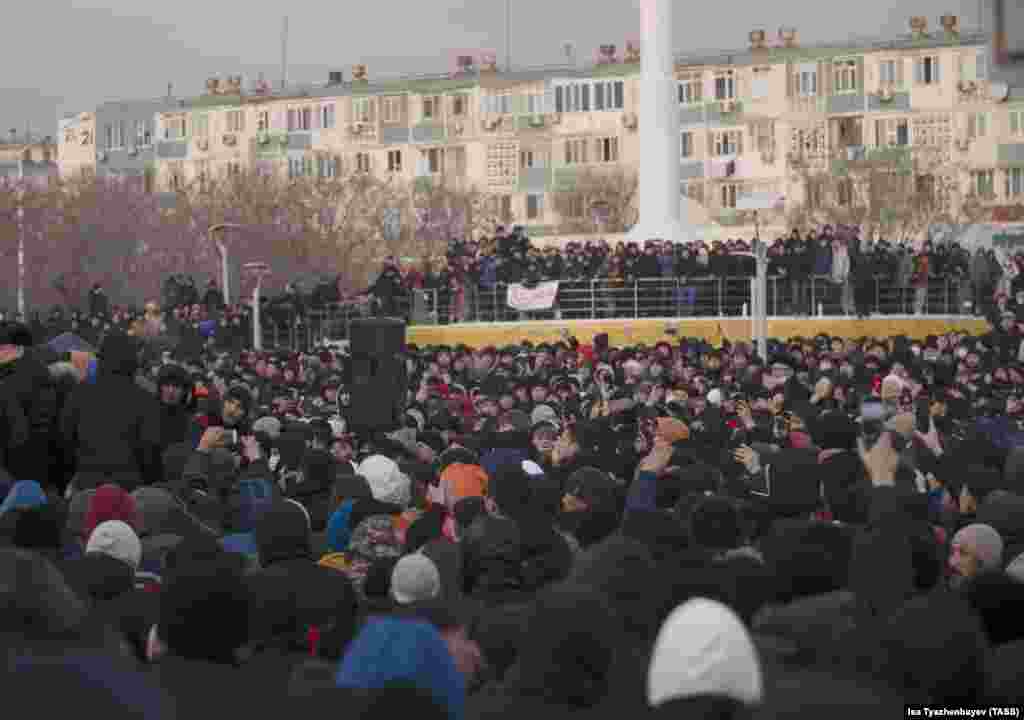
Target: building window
{"type": "Point", "coordinates": [502, 165]}
{"type": "Point", "coordinates": [300, 119]}
{"type": "Point", "coordinates": [498, 104]}
{"type": "Point", "coordinates": [927, 70]}
{"type": "Point", "coordinates": [573, 97]}
{"type": "Point", "coordinates": [691, 89]}
{"type": "Point", "coordinates": [432, 108]}
{"type": "Point", "coordinates": [362, 110]}
{"type": "Point", "coordinates": [608, 149]}
{"type": "Point", "coordinates": [233, 169]}
{"type": "Point", "coordinates": [609, 95]}
{"type": "Point", "coordinates": [395, 161]}
{"type": "Point", "coordinates": [983, 182]}
{"type": "Point", "coordinates": [1017, 122]}
{"type": "Point", "coordinates": [263, 121]}
{"type": "Point", "coordinates": [844, 192]}
{"type": "Point", "coordinates": [728, 195]}
{"type": "Point", "coordinates": [1014, 182]}
{"type": "Point", "coordinates": [534, 207]}
{"type": "Point", "coordinates": [143, 133]}
{"type": "Point", "coordinates": [575, 152]}
{"type": "Point", "coordinates": [175, 175]}
{"type": "Point", "coordinates": [530, 159]}
{"type": "Point", "coordinates": [234, 121]}
{"type": "Point", "coordinates": [327, 167]}
{"type": "Point", "coordinates": [362, 162]}
{"type": "Point", "coordinates": [981, 65]}
{"type": "Point", "coordinates": [846, 76]}
{"type": "Point", "coordinates": [727, 143]}
{"type": "Point", "coordinates": [888, 73]}
{"type": "Point", "coordinates": [892, 132]}
{"type": "Point", "coordinates": [725, 86]}
{"type": "Point", "coordinates": [391, 109]}
{"type": "Point", "coordinates": [203, 174]}
{"type": "Point", "coordinates": [458, 105]}
{"type": "Point", "coordinates": [327, 116]}
{"type": "Point", "coordinates": [574, 206]}
{"type": "Point", "coordinates": [806, 82]}
{"type": "Point", "coordinates": [201, 126]}
{"type": "Point", "coordinates": [435, 160]}
{"type": "Point", "coordinates": [174, 127]}
{"type": "Point", "coordinates": [977, 125]}
{"type": "Point", "coordinates": [686, 145]}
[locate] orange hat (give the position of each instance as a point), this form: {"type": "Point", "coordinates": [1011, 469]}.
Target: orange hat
{"type": "Point", "coordinates": [672, 430]}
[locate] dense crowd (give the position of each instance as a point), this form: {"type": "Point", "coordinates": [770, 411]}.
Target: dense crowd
{"type": "Point", "coordinates": [571, 529]}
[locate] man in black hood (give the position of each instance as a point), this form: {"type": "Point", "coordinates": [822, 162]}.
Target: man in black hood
{"type": "Point", "coordinates": [174, 388]}
{"type": "Point", "coordinates": [112, 427]}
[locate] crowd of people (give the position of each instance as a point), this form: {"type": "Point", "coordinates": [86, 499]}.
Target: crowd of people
{"type": "Point", "coordinates": [572, 529]}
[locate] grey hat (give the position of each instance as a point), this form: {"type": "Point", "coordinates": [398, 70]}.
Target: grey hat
{"type": "Point", "coordinates": [415, 579]}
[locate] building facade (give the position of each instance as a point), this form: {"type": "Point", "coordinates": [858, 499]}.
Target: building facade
{"type": "Point", "coordinates": [751, 121]}
{"type": "Point", "coordinates": [28, 158]}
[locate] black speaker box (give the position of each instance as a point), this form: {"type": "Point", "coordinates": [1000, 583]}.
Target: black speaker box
{"type": "Point", "coordinates": [376, 336]}
{"type": "Point", "coordinates": [376, 373]}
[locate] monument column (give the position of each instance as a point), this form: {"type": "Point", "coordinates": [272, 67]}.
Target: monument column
{"type": "Point", "coordinates": [660, 202]}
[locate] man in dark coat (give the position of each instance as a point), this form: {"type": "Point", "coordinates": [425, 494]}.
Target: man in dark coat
{"type": "Point", "coordinates": [112, 427]}
{"type": "Point", "coordinates": [28, 407]}
{"type": "Point", "coordinates": [387, 288]}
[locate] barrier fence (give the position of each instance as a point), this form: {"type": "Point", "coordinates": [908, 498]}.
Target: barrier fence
{"type": "Point", "coordinates": [641, 298]}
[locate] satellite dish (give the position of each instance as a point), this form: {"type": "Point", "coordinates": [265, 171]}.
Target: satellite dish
{"type": "Point", "coordinates": [1000, 90]}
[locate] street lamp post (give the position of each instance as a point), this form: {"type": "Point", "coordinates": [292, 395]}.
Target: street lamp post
{"type": "Point", "coordinates": [223, 250]}
{"type": "Point", "coordinates": [21, 239]}
{"type": "Point", "coordinates": [260, 270]}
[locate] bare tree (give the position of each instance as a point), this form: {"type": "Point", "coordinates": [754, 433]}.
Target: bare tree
{"type": "Point", "coordinates": [599, 201]}
{"type": "Point", "coordinates": [898, 192]}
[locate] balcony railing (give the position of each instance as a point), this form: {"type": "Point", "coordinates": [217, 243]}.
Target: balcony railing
{"type": "Point", "coordinates": [704, 296]}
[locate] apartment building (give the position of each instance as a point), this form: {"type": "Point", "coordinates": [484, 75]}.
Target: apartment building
{"type": "Point", "coordinates": [750, 120]}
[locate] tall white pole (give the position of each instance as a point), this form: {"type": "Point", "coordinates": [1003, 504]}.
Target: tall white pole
{"type": "Point", "coordinates": [224, 274]}
{"type": "Point", "coordinates": [257, 329]}
{"type": "Point", "coordinates": [21, 239]}
{"type": "Point", "coordinates": [660, 192]}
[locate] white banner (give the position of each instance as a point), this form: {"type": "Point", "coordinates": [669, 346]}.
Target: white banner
{"type": "Point", "coordinates": [538, 297]}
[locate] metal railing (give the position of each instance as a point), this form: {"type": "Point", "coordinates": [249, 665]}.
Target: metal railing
{"type": "Point", "coordinates": [608, 298]}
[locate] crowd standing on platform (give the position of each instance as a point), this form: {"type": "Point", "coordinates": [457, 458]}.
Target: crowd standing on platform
{"type": "Point", "coordinates": [189, 529]}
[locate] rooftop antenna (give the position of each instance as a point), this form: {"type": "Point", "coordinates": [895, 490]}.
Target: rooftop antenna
{"type": "Point", "coordinates": [170, 90]}
{"type": "Point", "coordinates": [570, 54]}
{"type": "Point", "coordinates": [284, 54]}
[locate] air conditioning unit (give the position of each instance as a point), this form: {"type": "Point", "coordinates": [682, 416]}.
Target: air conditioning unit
{"type": "Point", "coordinates": [356, 128]}
{"type": "Point", "coordinates": [885, 93]}
{"type": "Point", "coordinates": [230, 139]}
{"type": "Point", "coordinates": [556, 119]}
{"type": "Point", "coordinates": [458, 128]}
{"type": "Point", "coordinates": [133, 151]}
{"type": "Point", "coordinates": [629, 121]}
{"type": "Point", "coordinates": [263, 139]}
{"type": "Point", "coordinates": [728, 106]}
{"type": "Point", "coordinates": [963, 144]}
{"type": "Point", "coordinates": [103, 156]}
{"type": "Point", "coordinates": [203, 144]}
{"type": "Point", "coordinates": [492, 123]}
{"type": "Point", "coordinates": [537, 121]}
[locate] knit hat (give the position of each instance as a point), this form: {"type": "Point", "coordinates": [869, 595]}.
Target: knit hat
{"type": "Point", "coordinates": [715, 397]}
{"type": "Point", "coordinates": [387, 482]}
{"type": "Point", "coordinates": [109, 502]}
{"type": "Point", "coordinates": [703, 649]}
{"type": "Point", "coordinates": [116, 539]}
{"type": "Point", "coordinates": [269, 425]}
{"type": "Point", "coordinates": [543, 413]}
{"type": "Point", "coordinates": [1016, 568]}
{"type": "Point", "coordinates": [415, 579]}
{"type": "Point", "coordinates": [985, 542]}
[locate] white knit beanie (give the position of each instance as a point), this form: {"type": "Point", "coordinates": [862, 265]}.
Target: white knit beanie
{"type": "Point", "coordinates": [116, 539]}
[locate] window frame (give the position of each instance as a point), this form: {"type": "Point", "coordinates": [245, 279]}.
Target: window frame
{"type": "Point", "coordinates": [729, 82]}
{"type": "Point", "coordinates": [687, 145]}
{"type": "Point", "coordinates": [394, 161]}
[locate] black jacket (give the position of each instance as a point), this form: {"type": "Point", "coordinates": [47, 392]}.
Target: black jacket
{"type": "Point", "coordinates": [113, 426]}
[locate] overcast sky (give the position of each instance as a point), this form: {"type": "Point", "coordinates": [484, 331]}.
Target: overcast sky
{"type": "Point", "coordinates": [61, 56]}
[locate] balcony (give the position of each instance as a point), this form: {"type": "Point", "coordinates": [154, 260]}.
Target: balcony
{"type": "Point", "coordinates": [300, 141]}
{"type": "Point", "coordinates": [846, 103]}
{"type": "Point", "coordinates": [896, 101]}
{"type": "Point", "coordinates": [428, 132]}
{"type": "Point", "coordinates": [729, 112]}
{"type": "Point", "coordinates": [172, 149]}
{"type": "Point", "coordinates": [395, 135]}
